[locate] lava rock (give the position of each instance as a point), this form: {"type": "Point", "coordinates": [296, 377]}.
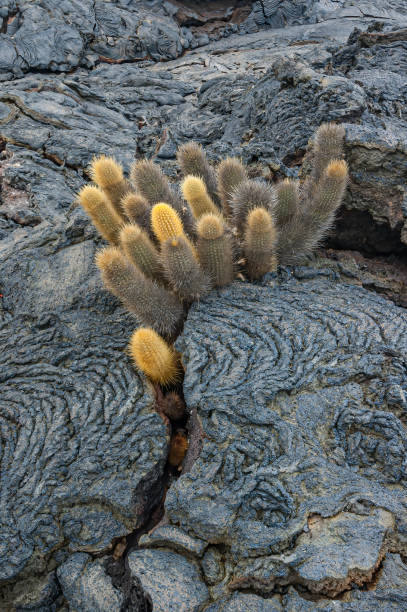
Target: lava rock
{"type": "Point", "coordinates": [86, 586]}
{"type": "Point", "coordinates": [173, 582]}
{"type": "Point", "coordinates": [301, 477]}
{"type": "Point", "coordinates": [83, 451]}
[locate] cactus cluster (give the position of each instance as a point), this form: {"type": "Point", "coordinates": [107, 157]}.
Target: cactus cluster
{"type": "Point", "coordinates": [171, 246]}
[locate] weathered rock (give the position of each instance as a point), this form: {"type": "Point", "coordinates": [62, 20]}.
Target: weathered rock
{"type": "Point", "coordinates": [86, 586]}
{"type": "Point", "coordinates": [173, 582]}
{"type": "Point", "coordinates": [83, 451]}
{"type": "Point", "coordinates": [41, 595]}
{"type": "Point", "coordinates": [300, 386]}
{"type": "Point", "coordinates": [58, 37]}
{"type": "Point", "coordinates": [239, 95]}
{"type": "Point", "coordinates": [246, 602]}
{"type": "Point", "coordinates": [90, 585]}
{"type": "Point", "coordinates": [389, 593]}
{"type": "Point", "coordinates": [84, 454]}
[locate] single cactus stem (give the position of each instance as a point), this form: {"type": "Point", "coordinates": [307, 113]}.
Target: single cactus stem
{"type": "Point", "coordinates": [151, 182]}
{"type": "Point", "coordinates": [140, 251]}
{"type": "Point", "coordinates": [193, 161]}
{"type": "Point", "coordinates": [107, 173]}
{"type": "Point", "coordinates": [166, 222]}
{"type": "Point", "coordinates": [102, 213]}
{"type": "Point", "coordinates": [195, 193]}
{"type": "Point", "coordinates": [330, 190]}
{"type": "Point", "coordinates": [328, 146]}
{"type": "Point", "coordinates": [153, 185]}
{"type": "Point", "coordinates": [137, 210]}
{"type": "Point", "coordinates": [179, 444]}
{"type": "Point", "coordinates": [172, 405]}
{"type": "Point", "coordinates": [153, 305]}
{"type": "Point", "coordinates": [291, 247]}
{"type": "Point", "coordinates": [182, 270]}
{"type": "Point", "coordinates": [303, 234]}
{"type": "Point", "coordinates": [231, 173]}
{"type": "Point", "coordinates": [215, 250]}
{"type": "Point", "coordinates": [288, 200]}
{"type": "Point", "coordinates": [259, 243]}
{"type": "Point", "coordinates": [249, 195]}
{"type": "Point", "coordinates": [153, 356]}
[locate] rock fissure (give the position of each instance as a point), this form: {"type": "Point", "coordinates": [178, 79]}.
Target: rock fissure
{"type": "Point", "coordinates": [295, 408]}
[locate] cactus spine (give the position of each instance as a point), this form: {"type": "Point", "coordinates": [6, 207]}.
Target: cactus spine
{"type": "Point", "coordinates": [165, 222]}
{"type": "Point", "coordinates": [288, 200]}
{"type": "Point", "coordinates": [107, 173]}
{"type": "Point", "coordinates": [172, 405]}
{"type": "Point", "coordinates": [328, 146]}
{"type": "Point", "coordinates": [163, 244]}
{"type": "Point", "coordinates": [140, 251]}
{"type": "Point", "coordinates": [192, 160]}
{"type": "Point", "coordinates": [151, 182]}
{"type": "Point", "coordinates": [137, 210]}
{"type": "Point", "coordinates": [154, 356]}
{"type": "Point", "coordinates": [182, 270]}
{"type": "Point", "coordinates": [259, 243]}
{"type": "Point", "coordinates": [195, 193]}
{"type": "Point", "coordinates": [248, 195]}
{"type": "Point", "coordinates": [215, 250]}
{"type": "Point", "coordinates": [231, 173]}
{"type": "Point", "coordinates": [302, 234]}
{"type": "Point", "coordinates": [320, 212]}
{"type": "Point", "coordinates": [330, 190]}
{"type": "Point", "coordinates": [102, 213]}
{"type": "Point", "coordinates": [153, 185]}
{"type": "Point", "coordinates": [152, 304]}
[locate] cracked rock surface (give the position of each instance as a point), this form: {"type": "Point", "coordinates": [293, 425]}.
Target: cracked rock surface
{"type": "Point", "coordinates": [299, 384]}
{"type": "Point", "coordinates": [83, 451]}
{"type": "Point", "coordinates": [297, 454]}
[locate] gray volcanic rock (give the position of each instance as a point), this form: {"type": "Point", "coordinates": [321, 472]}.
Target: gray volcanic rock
{"type": "Point", "coordinates": [389, 594]}
{"type": "Point", "coordinates": [238, 95]}
{"type": "Point", "coordinates": [300, 385]}
{"type": "Point", "coordinates": [59, 36]}
{"type": "Point", "coordinates": [86, 586]}
{"type": "Point", "coordinates": [173, 582]}
{"type": "Point", "coordinates": [83, 451]}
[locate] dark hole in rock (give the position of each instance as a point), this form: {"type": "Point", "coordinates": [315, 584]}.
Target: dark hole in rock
{"type": "Point", "coordinates": [215, 12]}
{"type": "Point", "coordinates": [357, 230]}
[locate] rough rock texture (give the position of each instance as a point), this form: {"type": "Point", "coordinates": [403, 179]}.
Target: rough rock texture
{"type": "Point", "coordinates": [240, 94]}
{"type": "Point", "coordinates": [83, 451]}
{"type": "Point", "coordinates": [86, 585]}
{"type": "Point", "coordinates": [173, 582]}
{"type": "Point", "coordinates": [300, 386]}
{"type": "Point", "coordinates": [82, 454]}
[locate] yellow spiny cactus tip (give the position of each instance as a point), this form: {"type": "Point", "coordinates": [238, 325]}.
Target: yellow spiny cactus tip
{"type": "Point", "coordinates": [106, 171]}
{"type": "Point", "coordinates": [134, 200]}
{"type": "Point", "coordinates": [260, 222]}
{"type": "Point", "coordinates": [107, 257]}
{"type": "Point", "coordinates": [130, 231]}
{"type": "Point", "coordinates": [337, 169]}
{"type": "Point", "coordinates": [193, 187]}
{"type": "Point", "coordinates": [259, 217]}
{"type": "Point", "coordinates": [90, 197]}
{"type": "Point", "coordinates": [195, 192]}
{"type": "Point", "coordinates": [210, 227]}
{"type": "Point", "coordinates": [165, 222]}
{"type": "Point", "coordinates": [154, 356]}
{"type": "Point", "coordinates": [102, 213]}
